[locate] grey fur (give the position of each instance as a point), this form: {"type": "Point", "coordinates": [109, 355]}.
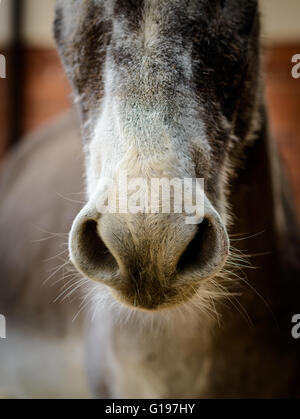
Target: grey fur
{"type": "Point", "coordinates": [199, 65]}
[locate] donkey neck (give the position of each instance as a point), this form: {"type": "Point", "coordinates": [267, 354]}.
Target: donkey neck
{"type": "Point", "coordinates": [256, 197]}
{"type": "Point", "coordinates": [265, 226]}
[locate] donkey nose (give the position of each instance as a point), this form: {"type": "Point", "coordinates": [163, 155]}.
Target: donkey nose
{"type": "Point", "coordinates": [145, 256]}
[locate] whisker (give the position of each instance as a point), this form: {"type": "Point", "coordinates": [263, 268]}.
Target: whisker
{"type": "Point", "coordinates": [56, 271]}
{"type": "Point", "coordinates": [56, 256]}
{"type": "Point", "coordinates": [70, 200]}
{"type": "Point", "coordinates": [248, 237]}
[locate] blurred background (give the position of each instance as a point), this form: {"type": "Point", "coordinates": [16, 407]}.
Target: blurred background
{"type": "Point", "coordinates": [35, 89]}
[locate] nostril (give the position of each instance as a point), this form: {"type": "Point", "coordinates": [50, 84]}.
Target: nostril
{"type": "Point", "coordinates": [206, 252]}
{"type": "Point", "coordinates": [90, 253]}
{"type": "Point", "coordinates": [199, 249]}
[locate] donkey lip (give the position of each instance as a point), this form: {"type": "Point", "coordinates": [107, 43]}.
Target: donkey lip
{"type": "Point", "coordinates": [157, 299]}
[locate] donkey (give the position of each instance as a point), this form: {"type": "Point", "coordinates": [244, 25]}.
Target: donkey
{"type": "Point", "coordinates": [173, 89]}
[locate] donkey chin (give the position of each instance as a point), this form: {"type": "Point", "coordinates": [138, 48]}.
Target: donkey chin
{"type": "Point", "coordinates": [150, 262]}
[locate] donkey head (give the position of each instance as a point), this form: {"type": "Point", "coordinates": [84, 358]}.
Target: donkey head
{"type": "Point", "coordinates": [165, 89]}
